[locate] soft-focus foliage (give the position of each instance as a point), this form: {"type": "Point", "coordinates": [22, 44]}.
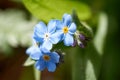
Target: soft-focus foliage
{"type": "Point", "coordinates": [48, 9]}
{"type": "Point", "coordinates": [15, 29]}
{"type": "Point", "coordinates": [91, 59]}
{"type": "Point", "coordinates": [101, 33]}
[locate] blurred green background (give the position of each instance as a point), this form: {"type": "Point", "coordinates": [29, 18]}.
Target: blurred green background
{"type": "Point", "coordinates": [17, 19]}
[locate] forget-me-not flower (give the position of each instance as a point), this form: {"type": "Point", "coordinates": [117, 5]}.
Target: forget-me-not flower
{"type": "Point", "coordinates": [34, 51]}
{"type": "Point", "coordinates": [46, 35]}
{"type": "Point", "coordinates": [66, 29]}
{"type": "Point", "coordinates": [47, 60]}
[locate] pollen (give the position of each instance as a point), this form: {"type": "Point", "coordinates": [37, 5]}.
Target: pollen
{"type": "Point", "coordinates": [46, 57]}
{"type": "Point", "coordinates": [65, 29]}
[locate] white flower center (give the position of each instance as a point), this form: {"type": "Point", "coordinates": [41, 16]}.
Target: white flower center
{"type": "Point", "coordinates": [46, 36]}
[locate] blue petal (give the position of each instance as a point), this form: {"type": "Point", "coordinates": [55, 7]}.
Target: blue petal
{"type": "Point", "coordinates": [55, 57]}
{"type": "Point", "coordinates": [36, 55]}
{"type": "Point", "coordinates": [40, 65]}
{"type": "Point", "coordinates": [34, 52]}
{"type": "Point", "coordinates": [52, 26]}
{"type": "Point", "coordinates": [47, 45]}
{"type": "Point", "coordinates": [40, 28]}
{"type": "Point", "coordinates": [67, 19]}
{"type": "Point", "coordinates": [51, 66]}
{"type": "Point", "coordinates": [38, 38]}
{"type": "Point", "coordinates": [72, 28]}
{"type": "Point", "coordinates": [44, 50]}
{"type": "Point", "coordinates": [29, 50]}
{"type": "Point", "coordinates": [68, 40]}
{"type": "Point", "coordinates": [56, 37]}
{"type": "Point", "coordinates": [39, 31]}
{"type": "Point", "coordinates": [59, 25]}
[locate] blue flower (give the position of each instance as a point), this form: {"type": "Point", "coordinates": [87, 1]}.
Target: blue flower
{"type": "Point", "coordinates": [46, 35]}
{"type": "Point", "coordinates": [47, 60]}
{"type": "Point", "coordinates": [34, 52]}
{"type": "Point", "coordinates": [66, 29]}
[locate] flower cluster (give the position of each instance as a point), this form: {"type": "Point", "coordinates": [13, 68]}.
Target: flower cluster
{"type": "Point", "coordinates": [45, 36]}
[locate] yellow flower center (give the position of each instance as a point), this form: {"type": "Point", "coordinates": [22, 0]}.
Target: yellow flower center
{"type": "Point", "coordinates": [46, 57]}
{"type": "Point", "coordinates": [65, 29]}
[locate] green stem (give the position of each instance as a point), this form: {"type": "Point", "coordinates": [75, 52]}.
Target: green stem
{"type": "Point", "coordinates": [37, 74]}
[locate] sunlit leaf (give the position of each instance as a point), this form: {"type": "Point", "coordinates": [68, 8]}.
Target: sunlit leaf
{"type": "Point", "coordinates": [101, 33]}
{"type": "Point", "coordinates": [29, 62]}
{"type": "Point", "coordinates": [90, 73]}
{"type": "Point", "coordinates": [47, 9]}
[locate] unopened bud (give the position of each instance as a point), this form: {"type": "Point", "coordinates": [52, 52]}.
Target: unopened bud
{"type": "Point", "coordinates": [61, 54]}
{"type": "Point", "coordinates": [82, 37]}
{"type": "Point", "coordinates": [75, 43]}
{"type": "Point", "coordinates": [82, 45]}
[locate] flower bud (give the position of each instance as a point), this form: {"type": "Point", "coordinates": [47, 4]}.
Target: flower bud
{"type": "Point", "coordinates": [75, 43]}
{"type": "Point", "coordinates": [82, 45]}
{"type": "Point", "coordinates": [61, 54]}
{"type": "Point", "coordinates": [82, 37]}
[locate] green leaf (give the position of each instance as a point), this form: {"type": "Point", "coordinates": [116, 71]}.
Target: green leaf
{"type": "Point", "coordinates": [29, 62]}
{"type": "Point", "coordinates": [86, 63]}
{"type": "Point", "coordinates": [101, 33]}
{"type": "Point", "coordinates": [82, 26]}
{"type": "Point", "coordinates": [90, 74]}
{"type": "Point", "coordinates": [93, 62]}
{"type": "Point", "coordinates": [47, 9]}
{"type": "Point", "coordinates": [78, 64]}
